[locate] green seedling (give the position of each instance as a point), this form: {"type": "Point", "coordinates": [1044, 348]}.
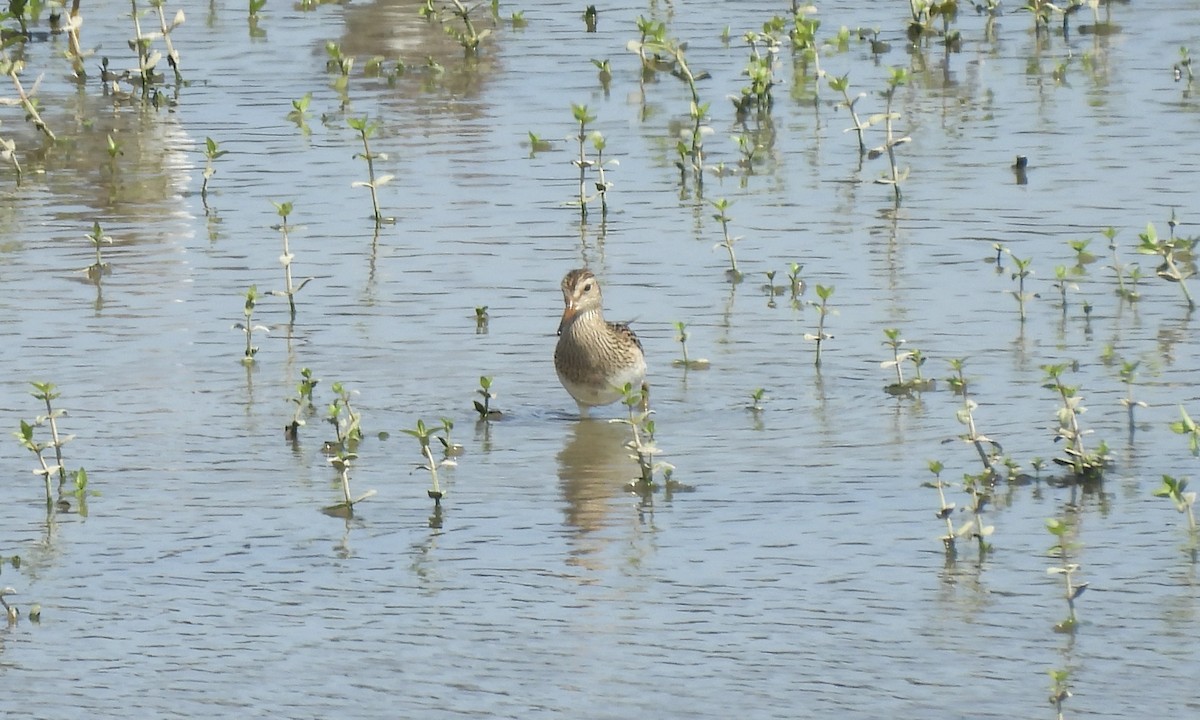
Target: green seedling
{"type": "Point", "coordinates": [582, 117]}
{"type": "Point", "coordinates": [299, 113]}
{"type": "Point", "coordinates": [1059, 690]}
{"type": "Point", "coordinates": [804, 38]}
{"type": "Point", "coordinates": [893, 340]}
{"type": "Point", "coordinates": [757, 398]}
{"type": "Point", "coordinates": [27, 100]}
{"type": "Point", "coordinates": [8, 153]}
{"type": "Point", "coordinates": [212, 151]}
{"type": "Point", "coordinates": [823, 310]}
{"type": "Point", "coordinates": [481, 320]}
{"type": "Point", "coordinates": [1125, 292]}
{"type": "Point", "coordinates": [842, 85]}
{"type": "Point", "coordinates": [1061, 281]}
{"type": "Point", "coordinates": [979, 487]}
{"type": "Point", "coordinates": [341, 64]}
{"type": "Point", "coordinates": [485, 410]}
{"type": "Point", "coordinates": [365, 130]}
{"type": "Point", "coordinates": [303, 402]}
{"type": "Point", "coordinates": [450, 449]}
{"type": "Point", "coordinates": [248, 327]}
{"type": "Point", "coordinates": [687, 363]}
{"type": "Point", "coordinates": [643, 446]}
{"type": "Point", "coordinates": [1184, 500]}
{"type": "Point", "coordinates": [722, 216]}
{"type": "Point", "coordinates": [603, 72]}
{"type": "Point", "coordinates": [166, 28]}
{"type": "Point", "coordinates": [1128, 374]}
{"type": "Point", "coordinates": [47, 393]}
{"type": "Point", "coordinates": [11, 613]}
{"type": "Point", "coordinates": [423, 435]}
{"type": "Point", "coordinates": [966, 416]}
{"type": "Point", "coordinates": [467, 36]}
{"type": "Point", "coordinates": [1185, 426]}
{"type": "Point", "coordinates": [347, 424]}
{"type": "Point", "coordinates": [143, 45]}
{"type": "Point", "coordinates": [1184, 66]}
{"type": "Point", "coordinates": [1061, 551]}
{"type": "Point", "coordinates": [99, 268]}
{"type": "Point", "coordinates": [760, 69]}
{"type": "Point", "coordinates": [1175, 254]}
{"type": "Point", "coordinates": [771, 289]}
{"type": "Point", "coordinates": [1084, 465]}
{"type": "Point", "coordinates": [795, 282]}
{"type": "Point", "coordinates": [602, 184]}
{"type": "Point", "coordinates": [1082, 256]}
{"type": "Point", "coordinates": [945, 509]}
{"type": "Point", "coordinates": [656, 50]}
{"type": "Point", "coordinates": [590, 18]}
{"type": "Point", "coordinates": [537, 144]}
{"type": "Point", "coordinates": [1020, 274]}
{"type": "Point", "coordinates": [897, 77]}
{"type": "Point", "coordinates": [289, 288]}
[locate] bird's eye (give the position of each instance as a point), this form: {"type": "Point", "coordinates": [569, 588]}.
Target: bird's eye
{"type": "Point", "coordinates": [587, 287]}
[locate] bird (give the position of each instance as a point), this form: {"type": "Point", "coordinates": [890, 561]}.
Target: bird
{"type": "Point", "coordinates": [595, 359]}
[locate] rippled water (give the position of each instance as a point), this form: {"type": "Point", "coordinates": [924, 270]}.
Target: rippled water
{"type": "Point", "coordinates": [801, 576]}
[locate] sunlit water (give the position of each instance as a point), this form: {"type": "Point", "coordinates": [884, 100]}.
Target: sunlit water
{"type": "Point", "coordinates": [801, 576]}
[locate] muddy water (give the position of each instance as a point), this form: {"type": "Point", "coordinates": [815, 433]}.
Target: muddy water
{"type": "Point", "coordinates": [801, 575]}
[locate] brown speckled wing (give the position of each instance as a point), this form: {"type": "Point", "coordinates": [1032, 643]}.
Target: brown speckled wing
{"type": "Point", "coordinates": [626, 331]}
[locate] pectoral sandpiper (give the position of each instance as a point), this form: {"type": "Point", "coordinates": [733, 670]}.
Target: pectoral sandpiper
{"type": "Point", "coordinates": [594, 359]}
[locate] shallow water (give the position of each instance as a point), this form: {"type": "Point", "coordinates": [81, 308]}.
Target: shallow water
{"type": "Point", "coordinates": [801, 576]}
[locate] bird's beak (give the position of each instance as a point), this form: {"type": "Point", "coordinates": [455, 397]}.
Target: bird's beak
{"type": "Point", "coordinates": [568, 315]}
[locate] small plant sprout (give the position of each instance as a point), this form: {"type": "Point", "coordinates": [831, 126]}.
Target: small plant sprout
{"type": "Point", "coordinates": [467, 36]}
{"type": "Point", "coordinates": [537, 144]}
{"type": "Point", "coordinates": [823, 293]}
{"type": "Point", "coordinates": [1176, 491]}
{"type": "Point", "coordinates": [966, 416]}
{"type": "Point", "coordinates": [341, 64]}
{"type": "Point", "coordinates": [590, 19]}
{"type": "Point", "coordinates": [299, 113]}
{"type": "Point", "coordinates": [424, 435]}
{"type": "Point", "coordinates": [757, 398]}
{"type": "Point", "coordinates": [166, 28]}
{"type": "Point", "coordinates": [1082, 256]}
{"type": "Point", "coordinates": [722, 216]}
{"type": "Point", "coordinates": [1128, 374]}
{"type": "Point", "coordinates": [347, 425]}
{"type": "Point", "coordinates": [1173, 268]}
{"type": "Point", "coordinates": [485, 409]}
{"type": "Point", "coordinates": [896, 78]}
{"type": "Point", "coordinates": [686, 363]}
{"type": "Point", "coordinates": [642, 443]}
{"type": "Point", "coordinates": [1020, 274]}
{"type": "Point", "coordinates": [602, 184]}
{"type": "Point", "coordinates": [450, 449]}
{"type": "Point", "coordinates": [979, 487]}
{"type": "Point", "coordinates": [481, 319]}
{"type": "Point", "coordinates": [248, 327]}
{"type": "Point", "coordinates": [289, 288]}
{"type": "Point", "coordinates": [8, 153]}
{"type": "Point", "coordinates": [365, 130]}
{"type": "Point", "coordinates": [1059, 690]}
{"type": "Point", "coordinates": [303, 402]}
{"type": "Point", "coordinates": [583, 117]}
{"type": "Point", "coordinates": [26, 100]}
{"type": "Point", "coordinates": [604, 72]}
{"type": "Point", "coordinates": [1061, 551]}
{"type": "Point", "coordinates": [893, 340]}
{"type": "Point", "coordinates": [46, 392]}
{"type": "Point", "coordinates": [11, 613]}
{"type": "Point", "coordinates": [1123, 291]}
{"type": "Point", "coordinates": [1084, 465]}
{"type": "Point", "coordinates": [945, 509]}
{"type": "Point", "coordinates": [795, 282]}
{"type": "Point", "coordinates": [842, 85]}
{"type": "Point", "coordinates": [212, 151]}
{"type": "Point", "coordinates": [1185, 426]}
{"type": "Point", "coordinates": [1184, 66]}
{"type": "Point", "coordinates": [99, 268]}
{"type": "Point", "coordinates": [1061, 281]}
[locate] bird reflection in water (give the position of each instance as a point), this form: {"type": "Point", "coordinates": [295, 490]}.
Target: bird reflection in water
{"type": "Point", "coordinates": [593, 468]}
